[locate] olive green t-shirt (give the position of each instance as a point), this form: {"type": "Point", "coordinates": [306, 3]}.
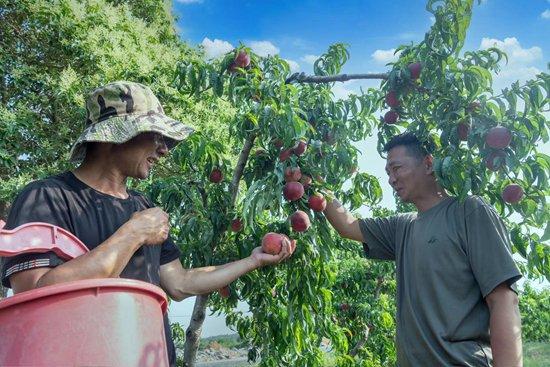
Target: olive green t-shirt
{"type": "Point", "coordinates": [448, 259]}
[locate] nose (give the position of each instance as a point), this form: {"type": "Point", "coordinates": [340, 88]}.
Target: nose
{"type": "Point", "coordinates": [391, 180]}
{"type": "Point", "coordinates": [162, 148]}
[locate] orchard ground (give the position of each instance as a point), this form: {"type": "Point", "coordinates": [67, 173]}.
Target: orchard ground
{"type": "Point", "coordinates": [535, 354]}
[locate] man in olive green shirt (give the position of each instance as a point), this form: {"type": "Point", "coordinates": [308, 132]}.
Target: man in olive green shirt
{"type": "Point", "coordinates": [455, 304]}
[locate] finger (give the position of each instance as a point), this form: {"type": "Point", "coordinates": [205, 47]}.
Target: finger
{"type": "Point", "coordinates": [286, 247]}
{"type": "Point", "coordinates": [292, 246]}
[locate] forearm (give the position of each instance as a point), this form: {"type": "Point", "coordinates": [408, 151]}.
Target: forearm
{"type": "Point", "coordinates": [105, 261]}
{"type": "Point", "coordinates": [342, 221]}
{"type": "Point", "coordinates": [210, 278]}
{"type": "Point", "coordinates": [505, 328]}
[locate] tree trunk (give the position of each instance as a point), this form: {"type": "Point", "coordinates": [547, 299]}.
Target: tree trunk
{"type": "Point", "coordinates": [193, 333]}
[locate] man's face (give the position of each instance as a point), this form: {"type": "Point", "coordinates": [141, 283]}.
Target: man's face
{"type": "Point", "coordinates": [407, 175]}
{"type": "Point", "coordinates": [137, 156]}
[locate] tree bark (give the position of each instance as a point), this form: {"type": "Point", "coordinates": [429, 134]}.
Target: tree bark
{"type": "Point", "coordinates": [193, 332]}
{"type": "Point", "coordinates": [303, 78]}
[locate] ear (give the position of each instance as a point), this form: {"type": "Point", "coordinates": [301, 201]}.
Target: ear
{"type": "Point", "coordinates": [428, 164]}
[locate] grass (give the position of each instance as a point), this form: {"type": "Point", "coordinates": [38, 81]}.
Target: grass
{"type": "Point", "coordinates": [536, 354]}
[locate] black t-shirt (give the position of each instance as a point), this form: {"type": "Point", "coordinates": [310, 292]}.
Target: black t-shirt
{"type": "Point", "coordinates": [92, 216]}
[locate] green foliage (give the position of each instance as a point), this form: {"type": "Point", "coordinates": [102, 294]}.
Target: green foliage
{"type": "Point", "coordinates": [53, 52]}
{"type": "Point", "coordinates": [453, 90]}
{"type": "Point", "coordinates": [364, 304]}
{"type": "Point", "coordinates": [534, 307]}
{"type": "Point", "coordinates": [291, 304]}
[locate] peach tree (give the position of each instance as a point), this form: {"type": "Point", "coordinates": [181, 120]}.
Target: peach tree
{"type": "Point", "coordinates": [289, 143]}
{"type": "Point", "coordinates": [286, 145]}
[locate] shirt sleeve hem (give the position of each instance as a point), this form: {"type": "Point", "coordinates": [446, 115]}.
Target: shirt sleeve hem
{"type": "Point", "coordinates": [509, 278]}
{"type": "Point", "coordinates": [170, 258]}
{"type": "Point", "coordinates": [370, 251]}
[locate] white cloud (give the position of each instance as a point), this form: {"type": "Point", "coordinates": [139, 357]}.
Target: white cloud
{"type": "Point", "coordinates": [432, 19]}
{"type": "Point", "coordinates": [294, 66]}
{"type": "Point", "coordinates": [216, 48]}
{"type": "Point", "coordinates": [546, 14]}
{"type": "Point", "coordinates": [189, 1]}
{"type": "Point", "coordinates": [309, 59]}
{"type": "Point", "coordinates": [516, 53]}
{"type": "Point", "coordinates": [520, 61]}
{"type": "Point", "coordinates": [343, 90]}
{"type": "Point", "coordinates": [385, 56]}
{"type": "Point", "coordinates": [263, 48]}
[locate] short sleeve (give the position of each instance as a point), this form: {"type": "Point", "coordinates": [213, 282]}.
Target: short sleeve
{"type": "Point", "coordinates": [38, 202]}
{"type": "Point", "coordinates": [489, 249]}
{"type": "Point", "coordinates": [379, 237]}
{"type": "Point", "coordinates": [169, 251]}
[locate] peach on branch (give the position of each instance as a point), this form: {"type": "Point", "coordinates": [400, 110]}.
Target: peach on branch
{"type": "Point", "coordinates": [293, 191]}
{"type": "Point", "coordinates": [391, 99]}
{"type": "Point", "coordinates": [299, 221]}
{"type": "Point", "coordinates": [242, 60]}
{"type": "Point", "coordinates": [216, 175]}
{"type": "Point", "coordinates": [317, 202]}
{"type": "Point", "coordinates": [512, 193]}
{"type": "Point", "coordinates": [300, 148]}
{"type": "Point", "coordinates": [415, 70]}
{"type": "Point", "coordinates": [285, 154]}
{"type": "Point", "coordinates": [236, 225]}
{"type": "Point", "coordinates": [224, 292]}
{"type": "Point", "coordinates": [391, 117]}
{"type": "Point", "coordinates": [293, 174]}
{"type": "Point", "coordinates": [498, 137]}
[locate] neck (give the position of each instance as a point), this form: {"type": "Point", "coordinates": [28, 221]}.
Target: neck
{"type": "Point", "coordinates": [103, 176]}
{"type": "Point", "coordinates": [430, 199]}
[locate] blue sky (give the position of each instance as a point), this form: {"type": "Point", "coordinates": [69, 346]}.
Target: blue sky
{"type": "Point", "coordinates": [300, 30]}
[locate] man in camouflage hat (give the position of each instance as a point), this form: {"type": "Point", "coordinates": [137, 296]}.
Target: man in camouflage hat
{"type": "Point", "coordinates": [127, 132]}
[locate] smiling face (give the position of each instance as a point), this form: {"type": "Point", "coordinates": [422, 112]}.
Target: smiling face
{"type": "Point", "coordinates": [136, 157]}
{"type": "Point", "coordinates": [408, 174]}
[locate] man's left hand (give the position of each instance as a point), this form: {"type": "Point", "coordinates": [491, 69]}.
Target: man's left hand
{"type": "Point", "coordinates": [263, 259]}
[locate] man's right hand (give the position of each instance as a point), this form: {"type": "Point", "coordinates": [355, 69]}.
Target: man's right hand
{"type": "Point", "coordinates": [151, 225]}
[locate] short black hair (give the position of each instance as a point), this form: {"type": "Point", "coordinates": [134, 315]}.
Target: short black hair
{"type": "Point", "coordinates": [414, 146]}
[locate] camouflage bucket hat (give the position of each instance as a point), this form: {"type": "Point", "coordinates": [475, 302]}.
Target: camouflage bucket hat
{"type": "Point", "coordinates": [118, 112]}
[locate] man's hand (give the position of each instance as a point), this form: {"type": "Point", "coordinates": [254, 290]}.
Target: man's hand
{"type": "Point", "coordinates": [151, 225]}
{"type": "Point", "coordinates": [180, 283]}
{"type": "Point", "coordinates": [263, 259]}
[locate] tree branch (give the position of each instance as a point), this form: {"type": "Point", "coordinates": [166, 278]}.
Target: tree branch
{"type": "Point", "coordinates": [303, 78]}
{"type": "Point", "coordinates": [239, 169]}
